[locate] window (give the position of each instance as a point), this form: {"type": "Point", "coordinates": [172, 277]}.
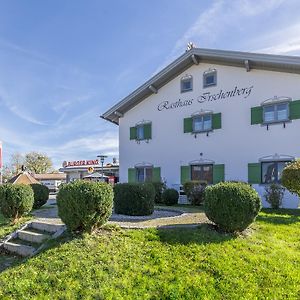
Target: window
{"type": "Point", "coordinates": [202, 173]}
{"type": "Point", "coordinates": [202, 123]}
{"type": "Point", "coordinates": [276, 113]}
{"type": "Point", "coordinates": [272, 170]}
{"type": "Point", "coordinates": [186, 83]}
{"type": "Point", "coordinates": [140, 132]}
{"type": "Point", "coordinates": [144, 174]}
{"type": "Point", "coordinates": [210, 78]}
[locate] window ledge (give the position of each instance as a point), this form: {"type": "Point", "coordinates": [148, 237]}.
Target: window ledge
{"type": "Point", "coordinates": [186, 91]}
{"type": "Point", "coordinates": [209, 85]}
{"type": "Point", "coordinates": [202, 131]}
{"type": "Point", "coordinates": [276, 122]}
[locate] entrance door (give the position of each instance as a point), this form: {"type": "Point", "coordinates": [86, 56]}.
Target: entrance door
{"type": "Point", "coordinates": [202, 173]}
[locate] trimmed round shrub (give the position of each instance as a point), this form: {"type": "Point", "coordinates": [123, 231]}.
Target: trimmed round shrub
{"type": "Point", "coordinates": [290, 178]}
{"type": "Point", "coordinates": [85, 206]}
{"type": "Point", "coordinates": [16, 200]}
{"type": "Point", "coordinates": [41, 194]}
{"type": "Point", "coordinates": [134, 199]}
{"type": "Point", "coordinates": [170, 197]}
{"type": "Point", "coordinates": [232, 206]}
{"type": "Point", "coordinates": [195, 191]}
{"type": "Point", "coordinates": [159, 188]}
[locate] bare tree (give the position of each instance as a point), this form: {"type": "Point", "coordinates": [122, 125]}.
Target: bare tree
{"type": "Point", "coordinates": [16, 162]}
{"type": "Point", "coordinates": [37, 162]}
{"type": "Point", "coordinates": [7, 173]}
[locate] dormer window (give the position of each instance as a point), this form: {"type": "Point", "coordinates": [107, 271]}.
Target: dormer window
{"type": "Point", "coordinates": [210, 78]}
{"type": "Point", "coordinates": [186, 83]}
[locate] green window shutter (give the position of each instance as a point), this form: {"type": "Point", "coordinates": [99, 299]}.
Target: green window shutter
{"type": "Point", "coordinates": [131, 175]}
{"type": "Point", "coordinates": [188, 125]}
{"type": "Point", "coordinates": [133, 133]}
{"type": "Point", "coordinates": [156, 177]}
{"type": "Point", "coordinates": [218, 173]}
{"type": "Point", "coordinates": [185, 174]}
{"type": "Point", "coordinates": [256, 115]}
{"type": "Point", "coordinates": [294, 107]}
{"type": "Point", "coordinates": [216, 121]}
{"type": "Point", "coordinates": [254, 173]}
{"type": "Point", "coordinates": [148, 131]}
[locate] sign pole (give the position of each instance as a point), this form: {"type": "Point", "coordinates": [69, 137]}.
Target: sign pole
{"type": "Point", "coordinates": [102, 157]}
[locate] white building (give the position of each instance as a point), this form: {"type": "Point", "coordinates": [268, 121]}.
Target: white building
{"type": "Point", "coordinates": [213, 115]}
{"type": "Point", "coordinates": [90, 170]}
{"type": "Point", "coordinates": [51, 180]}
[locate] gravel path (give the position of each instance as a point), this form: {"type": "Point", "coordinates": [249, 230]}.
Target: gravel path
{"type": "Point", "coordinates": [48, 213]}
{"type": "Point", "coordinates": [162, 217]}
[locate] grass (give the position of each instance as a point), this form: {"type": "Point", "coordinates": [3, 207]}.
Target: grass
{"type": "Point", "coordinates": [166, 264]}
{"type": "Point", "coordinates": [182, 207]}
{"type": "Point", "coordinates": [6, 227]}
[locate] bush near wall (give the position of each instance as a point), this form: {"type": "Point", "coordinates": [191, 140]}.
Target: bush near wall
{"type": "Point", "coordinates": [274, 195]}
{"type": "Point", "coordinates": [16, 200]}
{"type": "Point", "coordinates": [134, 199]}
{"type": "Point", "coordinates": [85, 206]}
{"type": "Point", "coordinates": [195, 191]}
{"type": "Point", "coordinates": [290, 178]}
{"type": "Point", "coordinates": [41, 194]}
{"type": "Point", "coordinates": [232, 206]}
{"type": "Point", "coordinates": [159, 189]}
{"type": "Point", "coordinates": [170, 197]}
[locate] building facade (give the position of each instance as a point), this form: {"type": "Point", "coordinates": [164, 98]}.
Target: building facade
{"type": "Point", "coordinates": [213, 115]}
{"type": "Point", "coordinates": [90, 170]}
{"type": "Point", "coordinates": [51, 180]}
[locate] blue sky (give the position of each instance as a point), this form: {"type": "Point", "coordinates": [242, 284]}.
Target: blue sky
{"type": "Point", "coordinates": [64, 62]}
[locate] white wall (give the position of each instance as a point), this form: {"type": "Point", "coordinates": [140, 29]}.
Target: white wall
{"type": "Point", "coordinates": [236, 144]}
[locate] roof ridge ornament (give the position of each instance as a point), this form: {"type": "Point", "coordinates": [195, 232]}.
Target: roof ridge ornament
{"type": "Point", "coordinates": [190, 46]}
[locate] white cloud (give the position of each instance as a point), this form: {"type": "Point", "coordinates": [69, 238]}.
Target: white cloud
{"type": "Point", "coordinates": [284, 41]}
{"type": "Point", "coordinates": [222, 20]}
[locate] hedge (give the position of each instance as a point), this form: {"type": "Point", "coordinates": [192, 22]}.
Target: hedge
{"type": "Point", "coordinates": [195, 191]}
{"type": "Point", "coordinates": [290, 178]}
{"type": "Point", "coordinates": [84, 205]}
{"type": "Point", "coordinates": [232, 206]}
{"type": "Point", "coordinates": [134, 199]}
{"type": "Point", "coordinates": [159, 189]}
{"type": "Point", "coordinates": [41, 194]}
{"type": "Point", "coordinates": [170, 197]}
{"type": "Point", "coordinates": [16, 200]}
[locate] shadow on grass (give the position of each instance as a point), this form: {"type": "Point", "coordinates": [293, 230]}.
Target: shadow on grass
{"type": "Point", "coordinates": [279, 216]}
{"type": "Point", "coordinates": [203, 234]}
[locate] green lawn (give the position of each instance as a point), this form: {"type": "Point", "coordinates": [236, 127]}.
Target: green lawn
{"type": "Point", "coordinates": [166, 264]}
{"type": "Point", "coordinates": [182, 207]}
{"type": "Point", "coordinates": [6, 227]}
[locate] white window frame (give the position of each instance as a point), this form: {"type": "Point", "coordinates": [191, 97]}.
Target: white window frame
{"type": "Point", "coordinates": [140, 127]}
{"type": "Point", "coordinates": [202, 121]}
{"type": "Point", "coordinates": [211, 72]}
{"type": "Point", "coordinates": [186, 78]}
{"type": "Point", "coordinates": [275, 105]}
{"type": "Point", "coordinates": [144, 173]}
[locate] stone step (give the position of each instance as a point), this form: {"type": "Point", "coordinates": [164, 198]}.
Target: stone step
{"type": "Point", "coordinates": [48, 227]}
{"type": "Point", "coordinates": [20, 249]}
{"type": "Point", "coordinates": [33, 237]}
